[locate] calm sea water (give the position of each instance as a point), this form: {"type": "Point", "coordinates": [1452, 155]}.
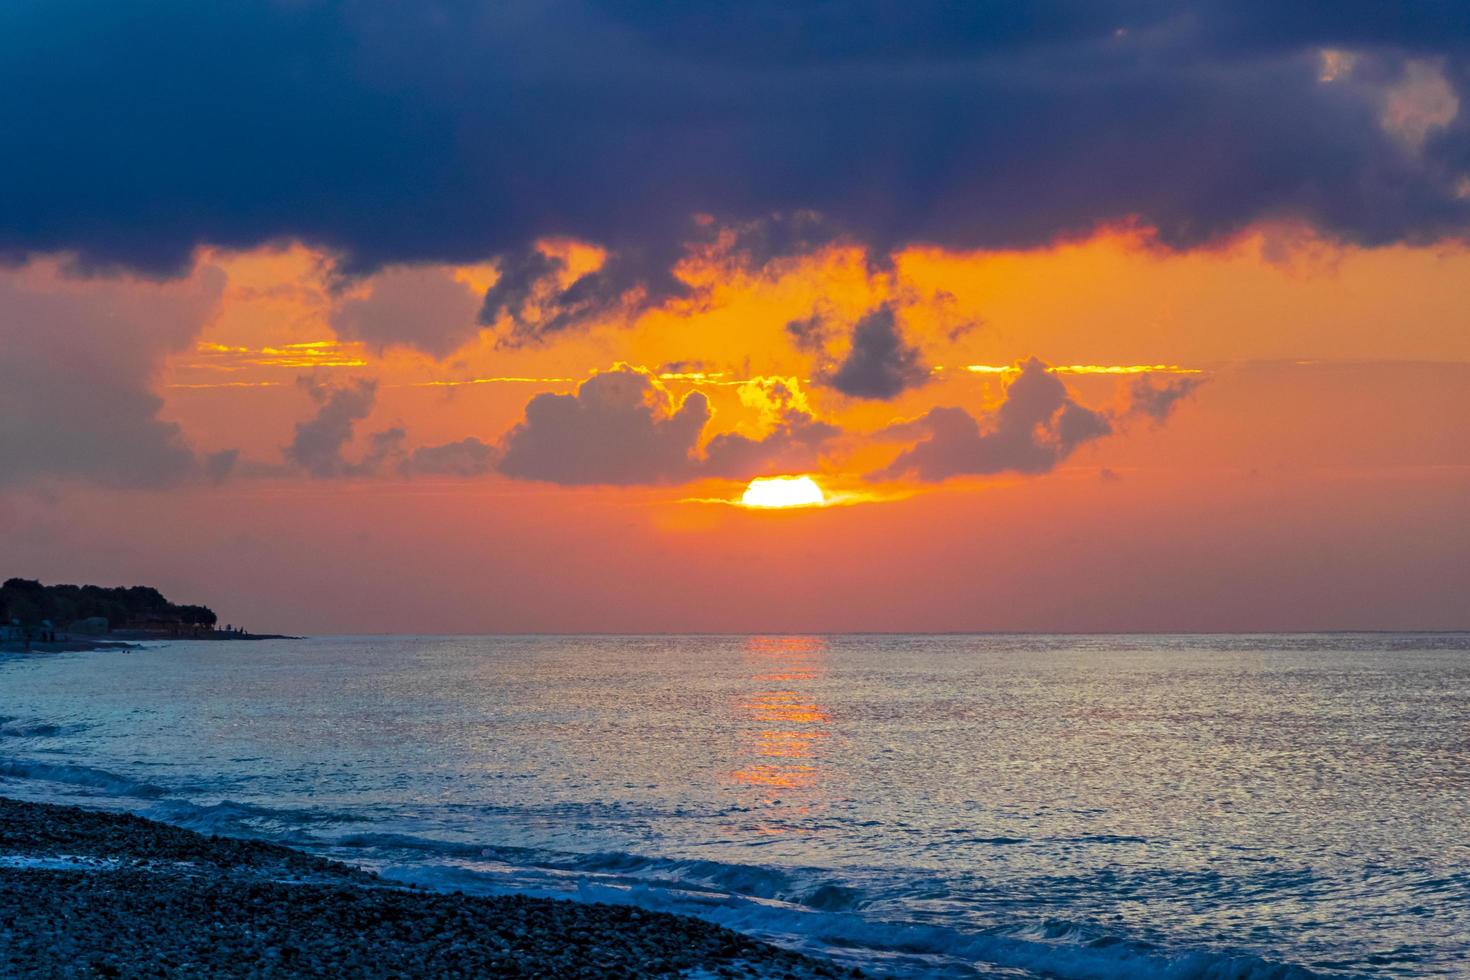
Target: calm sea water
{"type": "Point", "coordinates": [1061, 806]}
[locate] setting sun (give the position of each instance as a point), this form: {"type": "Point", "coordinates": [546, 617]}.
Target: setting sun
{"type": "Point", "coordinates": [783, 491]}
{"type": "Point", "coordinates": [785, 467]}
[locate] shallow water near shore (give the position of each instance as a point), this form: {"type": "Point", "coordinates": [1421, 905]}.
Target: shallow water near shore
{"type": "Point", "coordinates": [1097, 806]}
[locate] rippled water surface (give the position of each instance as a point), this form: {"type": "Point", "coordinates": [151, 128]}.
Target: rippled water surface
{"type": "Point", "coordinates": [1189, 806]}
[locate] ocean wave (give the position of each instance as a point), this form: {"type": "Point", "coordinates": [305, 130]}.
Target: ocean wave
{"type": "Point", "coordinates": [942, 950]}
{"type": "Point", "coordinates": [811, 909]}
{"type": "Point", "coordinates": [800, 907]}
{"type": "Point", "coordinates": [83, 776]}
{"type": "Point", "coordinates": [167, 804]}
{"type": "Point", "coordinates": [881, 946]}
{"type": "Point", "coordinates": [232, 818]}
{"type": "Point", "coordinates": [33, 728]}
{"type": "Point", "coordinates": [809, 887]}
{"type": "Point", "coordinates": [65, 782]}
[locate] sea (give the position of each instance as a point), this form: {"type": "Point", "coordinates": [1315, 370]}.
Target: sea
{"type": "Point", "coordinates": [1194, 806]}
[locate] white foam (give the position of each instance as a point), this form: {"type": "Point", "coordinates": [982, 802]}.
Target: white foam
{"type": "Point", "coordinates": [59, 862]}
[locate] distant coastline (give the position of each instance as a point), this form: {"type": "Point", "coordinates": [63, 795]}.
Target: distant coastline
{"type": "Point", "coordinates": [59, 618]}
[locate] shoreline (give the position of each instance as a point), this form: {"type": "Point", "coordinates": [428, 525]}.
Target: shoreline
{"type": "Point", "coordinates": [95, 893]}
{"type": "Point", "coordinates": [206, 636]}
{"type": "Point", "coordinates": [69, 645]}
{"type": "Point", "coordinates": [131, 640]}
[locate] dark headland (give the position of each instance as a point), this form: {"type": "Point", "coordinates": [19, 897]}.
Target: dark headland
{"type": "Point", "coordinates": [85, 893]}
{"type": "Point", "coordinates": [51, 618]}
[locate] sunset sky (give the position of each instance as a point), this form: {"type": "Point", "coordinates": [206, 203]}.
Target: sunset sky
{"type": "Point", "coordinates": [462, 317]}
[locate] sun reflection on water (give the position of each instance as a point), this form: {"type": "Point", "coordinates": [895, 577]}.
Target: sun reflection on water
{"type": "Point", "coordinates": [784, 728]}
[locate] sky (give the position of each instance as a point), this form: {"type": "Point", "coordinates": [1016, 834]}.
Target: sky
{"type": "Point", "coordinates": [482, 317]}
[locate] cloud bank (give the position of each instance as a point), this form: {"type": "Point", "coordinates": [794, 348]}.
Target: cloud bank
{"type": "Point", "coordinates": [452, 131]}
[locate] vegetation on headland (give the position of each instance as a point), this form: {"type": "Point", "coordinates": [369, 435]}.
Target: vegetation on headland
{"type": "Point", "coordinates": [137, 606]}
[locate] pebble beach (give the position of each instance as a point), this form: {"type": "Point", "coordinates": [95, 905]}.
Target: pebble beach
{"type": "Point", "coordinates": [94, 894]}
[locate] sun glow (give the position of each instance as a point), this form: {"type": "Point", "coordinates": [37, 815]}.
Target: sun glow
{"type": "Point", "coordinates": [783, 491]}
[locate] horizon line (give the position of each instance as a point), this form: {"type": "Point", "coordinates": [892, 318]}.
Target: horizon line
{"type": "Point", "coordinates": [1416, 631]}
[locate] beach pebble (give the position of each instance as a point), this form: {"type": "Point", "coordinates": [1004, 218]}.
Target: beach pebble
{"type": "Point", "coordinates": [169, 902]}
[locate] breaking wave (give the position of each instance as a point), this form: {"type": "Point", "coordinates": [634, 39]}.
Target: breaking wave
{"type": "Point", "coordinates": [80, 776]}
{"type": "Point", "coordinates": [805, 908]}
{"type": "Point", "coordinates": [32, 728]}
{"type": "Point", "coordinates": [800, 907]}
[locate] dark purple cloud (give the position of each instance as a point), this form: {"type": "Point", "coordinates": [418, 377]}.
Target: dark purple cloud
{"type": "Point", "coordinates": [448, 130]}
{"type": "Point", "coordinates": [319, 441]}
{"type": "Point", "coordinates": [809, 333]}
{"type": "Point", "coordinates": [622, 427]}
{"type": "Point", "coordinates": [1036, 427]}
{"type": "Point", "coordinates": [880, 364]}
{"type": "Point", "coordinates": [1156, 398]}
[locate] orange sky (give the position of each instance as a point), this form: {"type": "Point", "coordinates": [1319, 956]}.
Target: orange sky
{"type": "Point", "coordinates": [1317, 477]}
